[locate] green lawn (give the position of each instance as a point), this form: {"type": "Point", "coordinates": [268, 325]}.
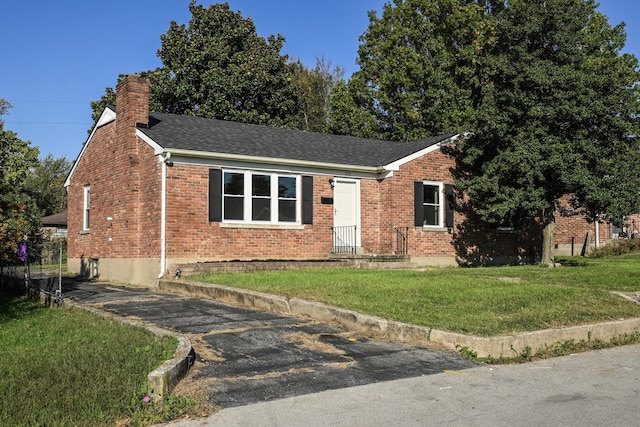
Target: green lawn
{"type": "Point", "coordinates": [68, 367]}
{"type": "Point", "coordinates": [482, 301]}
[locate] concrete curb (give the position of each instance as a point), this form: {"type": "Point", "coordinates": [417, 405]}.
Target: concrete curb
{"type": "Point", "coordinates": [498, 346]}
{"type": "Point", "coordinates": [164, 378]}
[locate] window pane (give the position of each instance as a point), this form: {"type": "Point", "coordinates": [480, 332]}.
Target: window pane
{"type": "Point", "coordinates": [287, 210]}
{"type": "Point", "coordinates": [287, 187]}
{"type": "Point", "coordinates": [233, 183]}
{"type": "Point", "coordinates": [261, 209]}
{"type": "Point", "coordinates": [233, 207]}
{"type": "Point", "coordinates": [431, 194]}
{"type": "Point", "coordinates": [431, 215]}
{"type": "Point", "coordinates": [261, 185]}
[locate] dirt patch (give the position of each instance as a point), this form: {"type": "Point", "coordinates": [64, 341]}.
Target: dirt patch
{"type": "Point", "coordinates": [312, 342]}
{"type": "Point", "coordinates": [265, 325]}
{"type": "Point", "coordinates": [197, 389]}
{"type": "Point", "coordinates": [292, 371]}
{"type": "Point", "coordinates": [205, 352]}
{"type": "Point", "coordinates": [510, 279]}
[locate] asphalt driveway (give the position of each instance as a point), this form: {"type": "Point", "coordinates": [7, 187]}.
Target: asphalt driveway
{"type": "Point", "coordinates": [245, 356]}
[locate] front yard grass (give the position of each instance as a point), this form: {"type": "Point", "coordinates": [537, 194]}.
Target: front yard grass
{"type": "Point", "coordinates": [483, 301]}
{"type": "Point", "coordinates": [62, 367]}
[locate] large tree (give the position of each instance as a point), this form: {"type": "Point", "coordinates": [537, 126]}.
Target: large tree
{"type": "Point", "coordinates": [314, 87]}
{"type": "Point", "coordinates": [420, 63]}
{"type": "Point", "coordinates": [45, 184]}
{"type": "Point", "coordinates": [18, 213]}
{"type": "Point", "coordinates": [217, 66]}
{"type": "Point", "coordinates": [558, 117]}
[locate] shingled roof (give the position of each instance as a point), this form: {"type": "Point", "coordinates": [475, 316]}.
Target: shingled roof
{"type": "Point", "coordinates": [171, 131]}
{"type": "Point", "coordinates": [55, 219]}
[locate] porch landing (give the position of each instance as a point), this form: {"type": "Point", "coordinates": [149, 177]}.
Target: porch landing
{"type": "Point", "coordinates": [390, 262]}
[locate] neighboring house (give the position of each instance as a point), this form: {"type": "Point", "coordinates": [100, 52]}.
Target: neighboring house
{"type": "Point", "coordinates": [55, 225]}
{"type": "Point", "coordinates": [150, 191]}
{"type": "Point", "coordinates": [576, 236]}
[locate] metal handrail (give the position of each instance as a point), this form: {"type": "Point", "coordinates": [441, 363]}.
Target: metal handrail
{"type": "Point", "coordinates": [344, 240]}
{"type": "Point", "coordinates": [402, 240]}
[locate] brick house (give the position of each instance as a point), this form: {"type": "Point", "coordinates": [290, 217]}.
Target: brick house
{"type": "Point", "coordinates": [574, 235]}
{"type": "Point", "coordinates": [150, 191]}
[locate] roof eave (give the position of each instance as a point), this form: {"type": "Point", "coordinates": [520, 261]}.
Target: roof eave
{"type": "Point", "coordinates": [108, 115]}
{"type": "Point", "coordinates": [395, 166]}
{"type": "Point", "coordinates": [227, 157]}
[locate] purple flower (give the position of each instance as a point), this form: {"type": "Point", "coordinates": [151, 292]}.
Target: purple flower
{"type": "Point", "coordinates": [22, 251]}
{"type": "Point", "coordinates": [146, 399]}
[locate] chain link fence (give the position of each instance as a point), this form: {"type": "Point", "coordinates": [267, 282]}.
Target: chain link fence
{"type": "Point", "coordinates": [40, 272]}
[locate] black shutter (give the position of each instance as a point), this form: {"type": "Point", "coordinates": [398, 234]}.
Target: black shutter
{"type": "Point", "coordinates": [449, 205]}
{"type": "Point", "coordinates": [307, 200]}
{"type": "Point", "coordinates": [215, 195]}
{"type": "Point", "coordinates": [418, 203]}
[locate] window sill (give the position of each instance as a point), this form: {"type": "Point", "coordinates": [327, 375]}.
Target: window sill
{"type": "Point", "coordinates": [85, 232]}
{"type": "Point", "coordinates": [436, 229]}
{"type": "Point", "coordinates": [262, 226]}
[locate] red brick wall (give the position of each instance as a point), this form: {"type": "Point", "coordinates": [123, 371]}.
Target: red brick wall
{"type": "Point", "coordinates": [191, 235]}
{"type": "Point", "coordinates": [469, 239]}
{"type": "Point", "coordinates": [571, 224]}
{"type": "Point", "coordinates": [124, 176]}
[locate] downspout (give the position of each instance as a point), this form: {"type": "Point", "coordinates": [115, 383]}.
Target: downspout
{"type": "Point", "coordinates": [163, 215]}
{"type": "Point", "coordinates": [597, 233]}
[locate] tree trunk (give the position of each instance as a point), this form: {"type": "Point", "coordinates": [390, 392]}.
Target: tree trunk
{"type": "Point", "coordinates": [548, 237]}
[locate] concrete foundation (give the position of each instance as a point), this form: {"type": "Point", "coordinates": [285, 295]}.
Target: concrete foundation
{"type": "Point", "coordinates": [142, 271]}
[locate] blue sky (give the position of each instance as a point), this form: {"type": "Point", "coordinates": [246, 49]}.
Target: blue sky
{"type": "Point", "coordinates": [57, 57]}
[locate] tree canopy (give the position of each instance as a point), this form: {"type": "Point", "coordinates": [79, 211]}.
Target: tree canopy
{"type": "Point", "coordinates": [558, 117]}
{"type": "Point", "coordinates": [217, 66]}
{"type": "Point", "coordinates": [419, 65]}
{"type": "Point", "coordinates": [18, 213]}
{"type": "Point", "coordinates": [45, 184]}
{"type": "Point", "coordinates": [314, 87]}
{"type": "Point", "coordinates": [542, 84]}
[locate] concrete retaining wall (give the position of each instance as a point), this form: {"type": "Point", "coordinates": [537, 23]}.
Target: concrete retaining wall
{"type": "Point", "coordinates": [498, 346]}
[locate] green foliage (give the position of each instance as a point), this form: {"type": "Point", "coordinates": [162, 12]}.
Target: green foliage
{"type": "Point", "coordinates": [217, 66]}
{"type": "Point", "coordinates": [77, 369]}
{"type": "Point", "coordinates": [351, 111]}
{"type": "Point", "coordinates": [420, 63]}
{"type": "Point", "coordinates": [314, 87]}
{"type": "Point", "coordinates": [561, 348]}
{"type": "Point", "coordinates": [18, 212]}
{"type": "Point", "coordinates": [45, 184]}
{"type": "Point", "coordinates": [618, 247]}
{"type": "Point", "coordinates": [557, 117]}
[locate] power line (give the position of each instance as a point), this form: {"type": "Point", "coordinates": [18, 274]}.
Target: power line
{"type": "Point", "coordinates": [47, 123]}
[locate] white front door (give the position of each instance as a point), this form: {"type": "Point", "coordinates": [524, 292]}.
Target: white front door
{"type": "Point", "coordinates": [346, 213]}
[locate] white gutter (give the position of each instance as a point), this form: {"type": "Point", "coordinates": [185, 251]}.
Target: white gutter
{"type": "Point", "coordinates": [272, 161]}
{"type": "Point", "coordinates": [163, 215]}
{"type": "Point", "coordinates": [597, 233]}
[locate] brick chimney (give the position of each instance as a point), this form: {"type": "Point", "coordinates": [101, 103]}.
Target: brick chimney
{"type": "Point", "coordinates": [132, 106]}
{"type": "Point", "coordinates": [132, 100]}
{"type": "Point", "coordinates": [127, 161]}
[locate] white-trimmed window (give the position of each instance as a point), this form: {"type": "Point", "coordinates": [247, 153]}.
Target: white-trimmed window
{"type": "Point", "coordinates": [260, 197]}
{"type": "Point", "coordinates": [432, 206]}
{"type": "Point", "coordinates": [86, 208]}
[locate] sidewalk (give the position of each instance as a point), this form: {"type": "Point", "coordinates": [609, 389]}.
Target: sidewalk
{"type": "Point", "coordinates": [598, 388]}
